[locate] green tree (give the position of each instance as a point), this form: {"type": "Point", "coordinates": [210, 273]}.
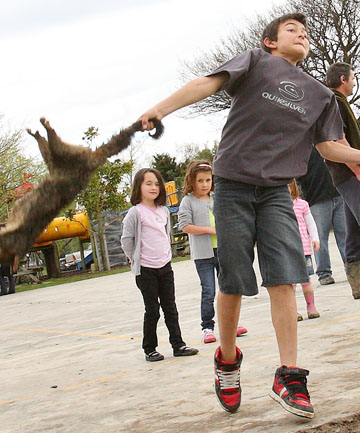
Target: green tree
{"type": "Point", "coordinates": [334, 29]}
{"type": "Point", "coordinates": [190, 151]}
{"type": "Point", "coordinates": [208, 153]}
{"type": "Point", "coordinates": [167, 166]}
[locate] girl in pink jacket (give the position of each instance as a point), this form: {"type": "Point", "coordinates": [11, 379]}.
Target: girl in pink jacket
{"type": "Point", "coordinates": [310, 240]}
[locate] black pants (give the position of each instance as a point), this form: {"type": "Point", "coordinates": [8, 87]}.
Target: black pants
{"type": "Point", "coordinates": [158, 289]}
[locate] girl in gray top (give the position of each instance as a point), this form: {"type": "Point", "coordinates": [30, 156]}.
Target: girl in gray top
{"type": "Point", "coordinates": [196, 218]}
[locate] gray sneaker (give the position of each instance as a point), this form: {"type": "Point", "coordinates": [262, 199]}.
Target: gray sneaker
{"type": "Point", "coordinates": [327, 280]}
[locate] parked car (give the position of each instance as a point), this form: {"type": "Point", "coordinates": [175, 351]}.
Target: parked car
{"type": "Point", "coordinates": [73, 260]}
{"type": "Point", "coordinates": [66, 265]}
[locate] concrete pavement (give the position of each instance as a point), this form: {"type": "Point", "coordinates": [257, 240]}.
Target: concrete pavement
{"type": "Point", "coordinates": [72, 361]}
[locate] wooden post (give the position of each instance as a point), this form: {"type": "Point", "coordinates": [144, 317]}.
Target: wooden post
{"type": "Point", "coordinates": [51, 256]}
{"type": "Point", "coordinates": [81, 248]}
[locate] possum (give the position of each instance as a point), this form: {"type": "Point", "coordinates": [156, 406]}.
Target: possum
{"type": "Point", "coordinates": [70, 170]}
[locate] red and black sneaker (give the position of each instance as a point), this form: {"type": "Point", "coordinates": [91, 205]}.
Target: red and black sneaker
{"type": "Point", "coordinates": [290, 391]}
{"type": "Point", "coordinates": [227, 381]}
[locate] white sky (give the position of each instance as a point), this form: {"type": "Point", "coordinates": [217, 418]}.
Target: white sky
{"type": "Point", "coordinates": [104, 62]}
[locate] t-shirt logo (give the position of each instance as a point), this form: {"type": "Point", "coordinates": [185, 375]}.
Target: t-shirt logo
{"type": "Point", "coordinates": [290, 91]}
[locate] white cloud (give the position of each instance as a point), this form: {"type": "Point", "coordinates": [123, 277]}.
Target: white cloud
{"type": "Point", "coordinates": [82, 63]}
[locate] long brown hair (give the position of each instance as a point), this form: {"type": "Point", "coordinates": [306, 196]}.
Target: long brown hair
{"type": "Point", "coordinates": [136, 187]}
{"type": "Point", "coordinates": [294, 190]}
{"type": "Point", "coordinates": [196, 166]}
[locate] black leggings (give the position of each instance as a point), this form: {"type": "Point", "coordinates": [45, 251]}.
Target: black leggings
{"type": "Point", "coordinates": [158, 289]}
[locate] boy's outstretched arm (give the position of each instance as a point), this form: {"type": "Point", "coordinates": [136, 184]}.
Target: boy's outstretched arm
{"type": "Point", "coordinates": [339, 151]}
{"type": "Point", "coordinates": [355, 168]}
{"type": "Point", "coordinates": [193, 91]}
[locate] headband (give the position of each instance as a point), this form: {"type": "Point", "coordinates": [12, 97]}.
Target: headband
{"type": "Point", "coordinates": [205, 165]}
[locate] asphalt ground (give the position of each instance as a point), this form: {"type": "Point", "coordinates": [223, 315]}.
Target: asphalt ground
{"type": "Point", "coordinates": [71, 361]}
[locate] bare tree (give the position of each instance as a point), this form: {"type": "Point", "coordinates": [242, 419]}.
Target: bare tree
{"type": "Point", "coordinates": [334, 29]}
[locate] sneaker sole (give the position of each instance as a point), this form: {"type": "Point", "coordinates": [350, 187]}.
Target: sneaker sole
{"type": "Point", "coordinates": [209, 341]}
{"type": "Point", "coordinates": [186, 354]}
{"type": "Point", "coordinates": [154, 360]}
{"type": "Point", "coordinates": [293, 410]}
{"type": "Point", "coordinates": [223, 407]}
{"type": "Point", "coordinates": [313, 316]}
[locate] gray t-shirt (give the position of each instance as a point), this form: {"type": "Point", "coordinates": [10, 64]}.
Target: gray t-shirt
{"type": "Point", "coordinates": [277, 113]}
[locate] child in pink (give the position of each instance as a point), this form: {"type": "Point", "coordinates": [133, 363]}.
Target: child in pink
{"type": "Point", "coordinates": [310, 240]}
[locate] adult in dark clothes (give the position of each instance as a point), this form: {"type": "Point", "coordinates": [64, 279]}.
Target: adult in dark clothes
{"type": "Point", "coordinates": [327, 208]}
{"type": "Point", "coordinates": [5, 272]}
{"type": "Point", "coordinates": [340, 78]}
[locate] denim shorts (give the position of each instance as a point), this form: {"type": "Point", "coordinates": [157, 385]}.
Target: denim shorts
{"type": "Point", "coordinates": [246, 215]}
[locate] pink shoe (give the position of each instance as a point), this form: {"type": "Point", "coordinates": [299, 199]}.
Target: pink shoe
{"type": "Point", "coordinates": [208, 336]}
{"type": "Point", "coordinates": [310, 304]}
{"type": "Point", "coordinates": [240, 331]}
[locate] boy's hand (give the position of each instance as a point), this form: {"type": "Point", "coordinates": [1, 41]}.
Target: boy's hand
{"type": "Point", "coordinates": [212, 231]}
{"type": "Point", "coordinates": [316, 246]}
{"type": "Point", "coordinates": [147, 124]}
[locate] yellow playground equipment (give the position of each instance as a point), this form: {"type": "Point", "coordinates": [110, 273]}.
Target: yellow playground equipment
{"type": "Point", "coordinates": [62, 228]}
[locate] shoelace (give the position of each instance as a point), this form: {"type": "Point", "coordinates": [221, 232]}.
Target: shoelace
{"type": "Point", "coordinates": [296, 385]}
{"type": "Point", "coordinates": [228, 379]}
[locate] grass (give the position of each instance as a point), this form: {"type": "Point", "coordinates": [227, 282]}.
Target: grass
{"type": "Point", "coordinates": [83, 276]}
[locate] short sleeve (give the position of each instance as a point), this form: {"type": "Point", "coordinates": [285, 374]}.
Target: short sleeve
{"type": "Point", "coordinates": [329, 125]}
{"type": "Point", "coordinates": [237, 68]}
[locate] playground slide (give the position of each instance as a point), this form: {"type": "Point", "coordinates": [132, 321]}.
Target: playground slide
{"type": "Point", "coordinates": [61, 228]}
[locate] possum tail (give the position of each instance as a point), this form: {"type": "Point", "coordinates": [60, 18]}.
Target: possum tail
{"type": "Point", "coordinates": [121, 141]}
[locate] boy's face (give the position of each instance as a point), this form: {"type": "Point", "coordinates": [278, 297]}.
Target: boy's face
{"type": "Point", "coordinates": [292, 42]}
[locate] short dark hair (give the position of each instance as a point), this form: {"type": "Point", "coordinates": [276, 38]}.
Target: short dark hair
{"type": "Point", "coordinates": [335, 72]}
{"type": "Point", "coordinates": [196, 166]}
{"type": "Point", "coordinates": [271, 30]}
{"type": "Point", "coordinates": [136, 187]}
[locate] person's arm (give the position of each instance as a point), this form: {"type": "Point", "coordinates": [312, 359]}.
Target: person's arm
{"type": "Point", "coordinates": [338, 151]}
{"type": "Point", "coordinates": [312, 229]}
{"type": "Point", "coordinates": [199, 230]}
{"type": "Point", "coordinates": [192, 92]}
{"type": "Point", "coordinates": [128, 234]}
{"type": "Point", "coordinates": [355, 168]}
{"type": "Point", "coordinates": [186, 221]}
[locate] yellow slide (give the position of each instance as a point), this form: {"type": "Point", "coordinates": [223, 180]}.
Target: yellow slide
{"type": "Point", "coordinates": [61, 228]}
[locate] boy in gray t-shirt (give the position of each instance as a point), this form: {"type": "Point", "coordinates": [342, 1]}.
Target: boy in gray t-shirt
{"type": "Point", "coordinates": [277, 113]}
